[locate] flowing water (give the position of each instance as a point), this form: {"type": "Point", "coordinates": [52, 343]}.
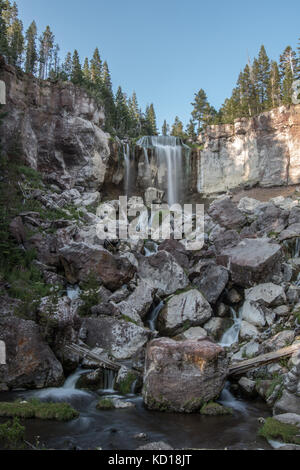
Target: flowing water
{"type": "Point", "coordinates": [116, 429]}
{"type": "Point", "coordinates": [127, 164]}
{"type": "Point", "coordinates": [152, 316]}
{"type": "Point", "coordinates": [231, 336]}
{"type": "Point", "coordinates": [170, 153]}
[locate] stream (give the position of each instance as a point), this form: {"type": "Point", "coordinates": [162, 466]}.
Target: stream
{"type": "Point", "coordinates": [117, 429]}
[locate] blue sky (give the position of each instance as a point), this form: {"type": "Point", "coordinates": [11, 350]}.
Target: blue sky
{"type": "Point", "coordinates": [166, 50]}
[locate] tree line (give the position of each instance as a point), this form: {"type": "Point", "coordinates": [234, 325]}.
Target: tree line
{"type": "Point", "coordinates": [262, 85]}
{"type": "Point", "coordinates": [39, 56]}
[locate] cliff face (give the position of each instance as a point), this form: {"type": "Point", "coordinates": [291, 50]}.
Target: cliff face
{"type": "Point", "coordinates": [57, 128]}
{"type": "Point", "coordinates": [264, 150]}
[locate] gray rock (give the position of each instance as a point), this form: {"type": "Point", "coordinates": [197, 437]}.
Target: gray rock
{"type": "Point", "coordinates": [225, 212]}
{"type": "Point", "coordinates": [189, 308]}
{"type": "Point", "coordinates": [268, 294]}
{"type": "Point", "coordinates": [182, 375]}
{"type": "Point", "coordinates": [288, 403]}
{"type": "Point", "coordinates": [248, 331]}
{"type": "Point", "coordinates": [252, 261]}
{"type": "Point", "coordinates": [247, 386]}
{"type": "Point", "coordinates": [253, 313]}
{"type": "Point", "coordinates": [212, 282]}
{"type": "Point", "coordinates": [289, 418]}
{"type": "Point", "coordinates": [156, 446]}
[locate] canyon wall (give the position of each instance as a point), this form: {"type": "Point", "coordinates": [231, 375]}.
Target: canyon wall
{"type": "Point", "coordinates": [264, 150]}
{"type": "Point", "coordinates": [57, 129]}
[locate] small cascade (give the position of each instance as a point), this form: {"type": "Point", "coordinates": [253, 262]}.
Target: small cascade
{"type": "Point", "coordinates": [231, 336]}
{"type": "Point", "coordinates": [292, 247]}
{"type": "Point", "coordinates": [169, 152]}
{"type": "Point", "coordinates": [152, 317]}
{"type": "Point", "coordinates": [296, 253]}
{"type": "Point", "coordinates": [109, 377]}
{"type": "Point", "coordinates": [230, 401]}
{"type": "Point", "coordinates": [150, 248]}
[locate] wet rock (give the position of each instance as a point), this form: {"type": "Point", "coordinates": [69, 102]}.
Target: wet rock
{"type": "Point", "coordinates": [80, 259]}
{"type": "Point", "coordinates": [153, 196]}
{"type": "Point", "coordinates": [195, 332]}
{"type": "Point", "coordinates": [247, 351]}
{"type": "Point", "coordinates": [217, 326]}
{"type": "Point", "coordinates": [253, 313]}
{"type": "Point", "coordinates": [128, 381]}
{"type": "Point", "coordinates": [121, 404]}
{"type": "Point", "coordinates": [30, 362]}
{"type": "Point", "coordinates": [138, 303]}
{"type": "Point", "coordinates": [288, 403]}
{"type": "Point", "coordinates": [182, 376]}
{"type": "Point", "coordinates": [121, 338]}
{"type": "Point", "coordinates": [263, 388]}
{"type": "Point", "coordinates": [162, 272]}
{"type": "Point", "coordinates": [252, 261]}
{"type": "Point", "coordinates": [215, 409]}
{"type": "Point", "coordinates": [268, 294]}
{"type": "Point", "coordinates": [222, 310]}
{"type": "Point", "coordinates": [248, 331]}
{"type": "Point", "coordinates": [212, 282]}
{"type": "Point", "coordinates": [183, 311]}
{"type": "Point", "coordinates": [233, 296]}
{"type": "Point", "coordinates": [225, 212]}
{"type": "Point", "coordinates": [177, 250]}
{"type": "Point", "coordinates": [247, 387]}
{"type": "Point", "coordinates": [293, 294]}
{"type": "Point", "coordinates": [92, 380]}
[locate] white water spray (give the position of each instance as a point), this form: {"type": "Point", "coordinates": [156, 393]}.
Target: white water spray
{"type": "Point", "coordinates": [231, 336]}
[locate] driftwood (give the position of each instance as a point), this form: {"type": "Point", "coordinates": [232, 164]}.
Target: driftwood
{"type": "Point", "coordinates": [242, 367]}
{"type": "Point", "coordinates": [83, 352]}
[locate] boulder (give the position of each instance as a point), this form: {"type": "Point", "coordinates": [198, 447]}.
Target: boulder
{"type": "Point", "coordinates": [253, 313]}
{"type": "Point", "coordinates": [30, 363]}
{"type": "Point", "coordinates": [196, 332]}
{"type": "Point", "coordinates": [289, 418]}
{"type": "Point", "coordinates": [137, 305]}
{"type": "Point", "coordinates": [247, 387]}
{"type": "Point", "coordinates": [121, 338]}
{"type": "Point", "coordinates": [280, 340]}
{"type": "Point", "coordinates": [217, 326]}
{"type": "Point", "coordinates": [226, 213]}
{"type": "Point", "coordinates": [80, 260]}
{"type": "Point", "coordinates": [270, 219]}
{"type": "Point", "coordinates": [249, 206]}
{"type": "Point", "coordinates": [252, 261]}
{"type": "Point", "coordinates": [212, 282]}
{"type": "Point", "coordinates": [248, 331]}
{"type": "Point", "coordinates": [177, 250]}
{"type": "Point", "coordinates": [162, 272]}
{"type": "Point", "coordinates": [181, 376]}
{"type": "Point", "coordinates": [268, 294]}
{"type": "Point", "coordinates": [287, 403]}
{"type": "Point", "coordinates": [183, 311]}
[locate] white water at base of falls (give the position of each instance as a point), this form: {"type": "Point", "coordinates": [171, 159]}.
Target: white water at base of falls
{"type": "Point", "coordinates": [73, 292]}
{"type": "Point", "coordinates": [231, 336]}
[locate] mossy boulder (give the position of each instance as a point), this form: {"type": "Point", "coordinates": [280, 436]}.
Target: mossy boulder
{"type": "Point", "coordinates": [105, 404]}
{"type": "Point", "coordinates": [273, 429]}
{"type": "Point", "coordinates": [215, 409]}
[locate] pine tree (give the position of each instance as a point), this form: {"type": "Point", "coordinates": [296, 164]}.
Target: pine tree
{"type": "Point", "coordinates": [177, 128]}
{"type": "Point", "coordinates": [150, 121]}
{"type": "Point", "coordinates": [122, 117]}
{"type": "Point", "coordinates": [76, 73]}
{"type": "Point", "coordinates": [96, 67]}
{"type": "Point", "coordinates": [134, 115]}
{"type": "Point", "coordinates": [108, 97]}
{"type": "Point", "coordinates": [165, 128]}
{"type": "Point", "coordinates": [31, 52]}
{"type": "Point", "coordinates": [3, 30]}
{"type": "Point", "coordinates": [288, 68]}
{"type": "Point", "coordinates": [263, 78]}
{"type": "Point", "coordinates": [67, 67]}
{"type": "Point", "coordinates": [200, 108]}
{"type": "Point", "coordinates": [274, 92]}
{"type": "Point", "coordinates": [16, 46]}
{"type": "Point", "coordinates": [86, 70]}
{"type": "Point", "coordinates": [190, 130]}
{"type": "Point", "coordinates": [45, 54]}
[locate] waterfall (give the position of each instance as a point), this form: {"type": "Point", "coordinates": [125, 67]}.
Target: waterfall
{"type": "Point", "coordinates": [109, 377]}
{"type": "Point", "coordinates": [152, 317]}
{"type": "Point", "coordinates": [127, 164]}
{"type": "Point", "coordinates": [231, 336]}
{"type": "Point", "coordinates": [169, 152]}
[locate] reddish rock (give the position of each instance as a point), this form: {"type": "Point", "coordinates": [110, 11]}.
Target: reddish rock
{"type": "Point", "coordinates": [183, 375]}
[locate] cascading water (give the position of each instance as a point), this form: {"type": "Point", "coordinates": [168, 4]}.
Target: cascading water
{"type": "Point", "coordinates": [231, 336]}
{"type": "Point", "coordinates": [127, 164]}
{"type": "Point", "coordinates": [169, 151]}
{"type": "Point", "coordinates": [152, 317]}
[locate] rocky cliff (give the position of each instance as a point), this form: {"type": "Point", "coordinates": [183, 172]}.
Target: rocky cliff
{"type": "Point", "coordinates": [57, 129]}
{"type": "Point", "coordinates": [264, 150]}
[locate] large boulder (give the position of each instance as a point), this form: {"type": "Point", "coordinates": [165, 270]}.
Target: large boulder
{"type": "Point", "coordinates": [183, 311]}
{"type": "Point", "coordinates": [212, 282]}
{"type": "Point", "coordinates": [268, 294]}
{"type": "Point", "coordinates": [287, 403]}
{"type": "Point", "coordinates": [30, 363]}
{"type": "Point", "coordinates": [80, 260]}
{"type": "Point", "coordinates": [137, 305]}
{"type": "Point", "coordinates": [162, 272]}
{"type": "Point", "coordinates": [252, 261]}
{"type": "Point", "coordinates": [121, 338]}
{"type": "Point", "coordinates": [177, 250]}
{"type": "Point", "coordinates": [253, 313]}
{"type": "Point", "coordinates": [226, 213]}
{"type": "Point", "coordinates": [181, 376]}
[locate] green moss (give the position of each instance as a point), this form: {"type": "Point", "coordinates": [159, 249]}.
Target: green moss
{"type": "Point", "coordinates": [89, 295]}
{"type": "Point", "coordinates": [12, 435]}
{"type": "Point", "coordinates": [124, 385]}
{"type": "Point", "coordinates": [39, 410]}
{"type": "Point", "coordinates": [159, 404]}
{"type": "Point", "coordinates": [276, 381]}
{"type": "Point", "coordinates": [273, 429]}
{"type": "Point", "coordinates": [193, 405]}
{"type": "Point", "coordinates": [105, 404]}
{"type": "Point", "coordinates": [215, 409]}
{"type": "Point", "coordinates": [128, 319]}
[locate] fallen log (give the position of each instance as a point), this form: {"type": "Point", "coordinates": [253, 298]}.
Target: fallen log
{"type": "Point", "coordinates": [83, 352]}
{"type": "Point", "coordinates": [244, 366]}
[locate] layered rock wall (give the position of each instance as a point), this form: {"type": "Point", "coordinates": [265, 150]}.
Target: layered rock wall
{"type": "Point", "coordinates": [264, 150]}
